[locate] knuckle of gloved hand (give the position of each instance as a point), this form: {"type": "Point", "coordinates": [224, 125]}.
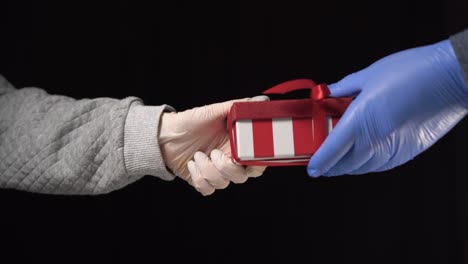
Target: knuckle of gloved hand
{"type": "Point", "coordinates": [207, 191]}
{"type": "Point", "coordinates": [223, 185]}
{"type": "Point", "coordinates": [217, 182]}
{"type": "Point", "coordinates": [224, 167]}
{"type": "Point", "coordinates": [201, 187]}
{"type": "Point", "coordinates": [254, 171]}
{"type": "Point", "coordinates": [223, 181]}
{"type": "Point", "coordinates": [240, 179]}
{"type": "Point", "coordinates": [198, 182]}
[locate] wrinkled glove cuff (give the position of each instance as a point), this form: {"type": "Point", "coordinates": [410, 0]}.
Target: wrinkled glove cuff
{"type": "Point", "coordinates": [141, 147]}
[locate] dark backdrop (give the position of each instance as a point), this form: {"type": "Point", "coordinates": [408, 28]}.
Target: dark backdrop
{"type": "Point", "coordinates": [190, 53]}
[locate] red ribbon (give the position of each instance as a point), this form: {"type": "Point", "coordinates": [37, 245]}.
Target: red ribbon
{"type": "Point", "coordinates": [298, 108]}
{"type": "Point", "coordinates": [317, 92]}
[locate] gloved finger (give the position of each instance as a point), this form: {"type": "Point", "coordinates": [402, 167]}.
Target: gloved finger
{"type": "Point", "coordinates": [391, 163]}
{"type": "Point", "coordinates": [354, 159]}
{"type": "Point", "coordinates": [371, 165]}
{"type": "Point", "coordinates": [198, 181]}
{"type": "Point", "coordinates": [348, 86]}
{"type": "Point", "coordinates": [220, 110]}
{"type": "Point", "coordinates": [255, 171]}
{"type": "Point", "coordinates": [336, 145]}
{"type": "Point", "coordinates": [386, 166]}
{"type": "Point", "coordinates": [209, 171]}
{"type": "Point", "coordinates": [233, 172]}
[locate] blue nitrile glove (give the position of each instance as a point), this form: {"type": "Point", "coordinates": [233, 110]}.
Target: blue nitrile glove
{"type": "Point", "coordinates": [404, 103]}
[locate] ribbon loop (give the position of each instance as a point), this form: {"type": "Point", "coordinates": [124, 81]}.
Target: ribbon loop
{"type": "Point", "coordinates": [317, 91]}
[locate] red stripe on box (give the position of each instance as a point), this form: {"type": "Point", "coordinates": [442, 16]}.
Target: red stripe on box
{"type": "Point", "coordinates": [335, 121]}
{"type": "Point", "coordinates": [320, 131]}
{"type": "Point", "coordinates": [303, 137]}
{"type": "Point", "coordinates": [263, 138]}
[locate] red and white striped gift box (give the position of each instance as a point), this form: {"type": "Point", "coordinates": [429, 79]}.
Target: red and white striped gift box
{"type": "Point", "coordinates": [281, 132]}
{"type": "Point", "coordinates": [283, 139]}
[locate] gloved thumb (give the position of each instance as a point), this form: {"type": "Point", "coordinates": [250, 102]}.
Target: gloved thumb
{"type": "Point", "coordinates": [220, 110]}
{"type": "Point", "coordinates": [338, 143]}
{"type": "Point", "coordinates": [349, 86]}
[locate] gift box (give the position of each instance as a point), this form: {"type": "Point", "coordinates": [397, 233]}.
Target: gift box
{"type": "Point", "coordinates": [283, 132]}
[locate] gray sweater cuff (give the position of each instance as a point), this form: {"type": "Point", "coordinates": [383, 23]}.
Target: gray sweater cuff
{"type": "Point", "coordinates": [460, 47]}
{"type": "Point", "coordinates": [141, 147]}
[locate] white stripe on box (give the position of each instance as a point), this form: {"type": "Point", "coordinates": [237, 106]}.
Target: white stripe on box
{"type": "Point", "coordinates": [283, 137]}
{"type": "Point", "coordinates": [313, 131]}
{"type": "Point", "coordinates": [244, 138]}
{"type": "Point", "coordinates": [329, 124]}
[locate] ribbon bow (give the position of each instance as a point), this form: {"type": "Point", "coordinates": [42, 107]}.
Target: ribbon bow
{"type": "Point", "coordinates": [317, 91]}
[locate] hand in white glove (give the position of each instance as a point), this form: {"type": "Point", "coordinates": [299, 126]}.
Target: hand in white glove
{"type": "Point", "coordinates": [195, 146]}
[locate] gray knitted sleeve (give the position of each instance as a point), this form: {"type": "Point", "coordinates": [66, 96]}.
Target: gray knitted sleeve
{"type": "Point", "coordinates": [460, 46]}
{"type": "Point", "coordinates": [58, 145]}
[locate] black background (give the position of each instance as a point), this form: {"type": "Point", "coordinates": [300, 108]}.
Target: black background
{"type": "Point", "coordinates": [192, 53]}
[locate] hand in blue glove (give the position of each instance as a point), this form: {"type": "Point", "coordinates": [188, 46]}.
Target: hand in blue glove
{"type": "Point", "coordinates": [404, 103]}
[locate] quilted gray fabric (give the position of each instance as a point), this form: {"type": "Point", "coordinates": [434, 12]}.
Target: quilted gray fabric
{"type": "Point", "coordinates": [58, 145]}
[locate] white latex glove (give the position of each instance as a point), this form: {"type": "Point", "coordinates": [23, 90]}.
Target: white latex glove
{"type": "Point", "coordinates": [195, 146]}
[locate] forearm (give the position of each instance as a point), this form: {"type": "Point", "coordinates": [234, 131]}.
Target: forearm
{"type": "Point", "coordinates": [55, 144]}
